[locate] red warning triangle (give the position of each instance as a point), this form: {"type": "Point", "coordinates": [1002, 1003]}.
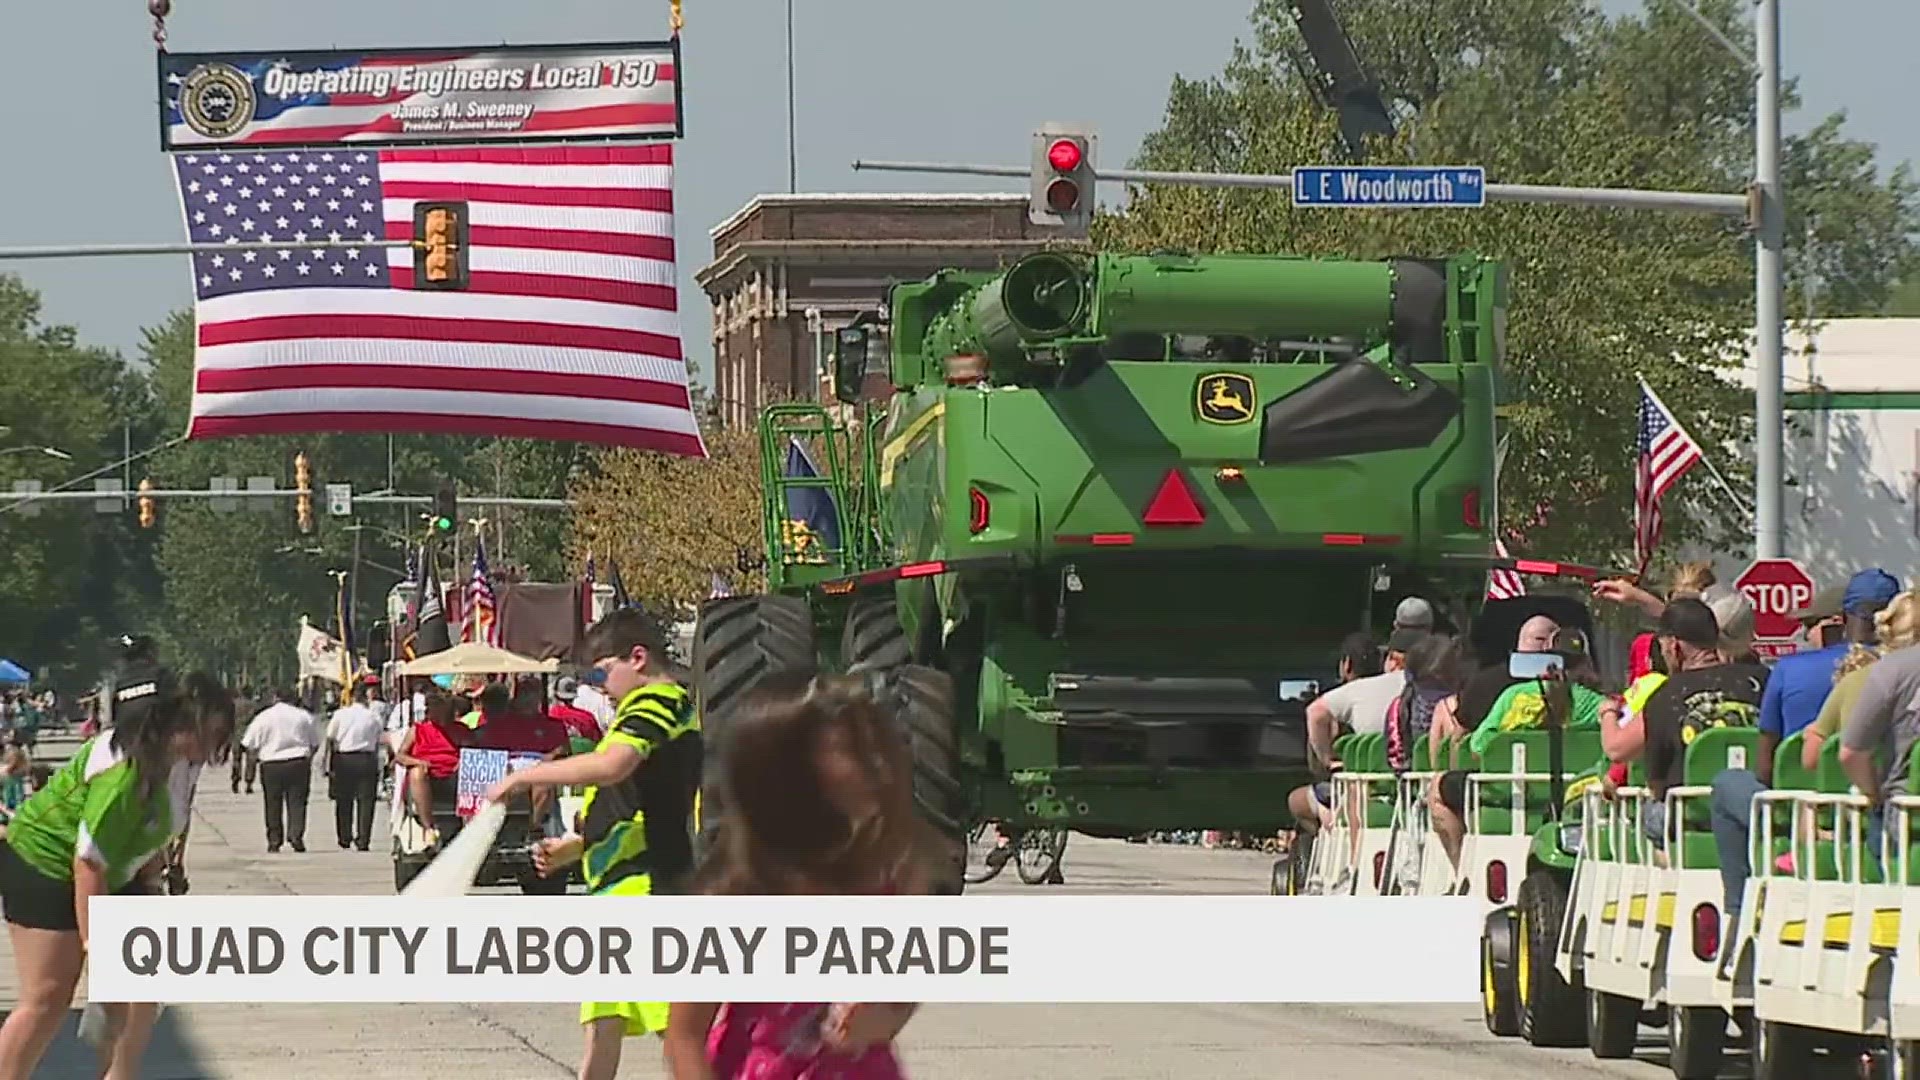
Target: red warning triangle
{"type": "Point", "coordinates": [1174, 503]}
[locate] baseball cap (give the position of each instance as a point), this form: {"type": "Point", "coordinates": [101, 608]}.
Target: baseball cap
{"type": "Point", "coordinates": [1690, 622]}
{"type": "Point", "coordinates": [1405, 638]}
{"type": "Point", "coordinates": [1868, 591]}
{"type": "Point", "coordinates": [565, 687]}
{"type": "Point", "coordinates": [1829, 603]}
{"type": "Point", "coordinates": [1413, 613]}
{"type": "Point", "coordinates": [1734, 614]}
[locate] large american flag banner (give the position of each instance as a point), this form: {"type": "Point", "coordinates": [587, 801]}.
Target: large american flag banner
{"type": "Point", "coordinates": [568, 327]}
{"type": "Point", "coordinates": [1664, 453]}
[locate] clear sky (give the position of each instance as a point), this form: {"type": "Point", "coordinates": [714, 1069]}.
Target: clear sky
{"type": "Point", "coordinates": [876, 79]}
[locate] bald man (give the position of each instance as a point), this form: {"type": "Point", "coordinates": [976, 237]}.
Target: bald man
{"type": "Point", "coordinates": [1487, 684]}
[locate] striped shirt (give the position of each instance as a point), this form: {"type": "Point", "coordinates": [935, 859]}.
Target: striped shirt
{"type": "Point", "coordinates": [643, 823]}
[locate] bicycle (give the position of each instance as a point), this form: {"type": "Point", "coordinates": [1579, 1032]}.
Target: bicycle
{"type": "Point", "coordinates": [1035, 853]}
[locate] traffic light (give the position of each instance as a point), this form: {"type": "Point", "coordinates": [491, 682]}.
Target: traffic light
{"type": "Point", "coordinates": [147, 515]}
{"type": "Point", "coordinates": [1063, 177]}
{"type": "Point", "coordinates": [303, 502]}
{"type": "Point", "coordinates": [440, 245]}
{"type": "Point", "coordinates": [446, 512]}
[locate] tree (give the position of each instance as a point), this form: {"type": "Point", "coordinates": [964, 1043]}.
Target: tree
{"type": "Point", "coordinates": [71, 578]}
{"type": "Point", "coordinates": [671, 523]}
{"type": "Point", "coordinates": [1544, 92]}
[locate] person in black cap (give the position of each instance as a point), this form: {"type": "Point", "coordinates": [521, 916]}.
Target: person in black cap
{"type": "Point", "coordinates": [1702, 691]}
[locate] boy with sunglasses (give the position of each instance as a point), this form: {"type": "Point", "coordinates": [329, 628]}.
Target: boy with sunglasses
{"type": "Point", "coordinates": [635, 833]}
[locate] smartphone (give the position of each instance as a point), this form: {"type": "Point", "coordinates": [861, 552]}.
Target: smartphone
{"type": "Point", "coordinates": [1299, 689]}
{"type": "Point", "coordinates": [1534, 665]}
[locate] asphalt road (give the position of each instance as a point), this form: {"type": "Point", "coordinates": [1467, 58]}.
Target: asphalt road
{"type": "Point", "coordinates": [945, 1042]}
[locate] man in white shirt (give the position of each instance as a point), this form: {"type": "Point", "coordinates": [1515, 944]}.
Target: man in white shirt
{"type": "Point", "coordinates": [283, 738]}
{"type": "Point", "coordinates": [352, 766]}
{"type": "Point", "coordinates": [1359, 704]}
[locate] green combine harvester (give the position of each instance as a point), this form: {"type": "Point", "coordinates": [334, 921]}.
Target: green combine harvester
{"type": "Point", "coordinates": [1112, 508]}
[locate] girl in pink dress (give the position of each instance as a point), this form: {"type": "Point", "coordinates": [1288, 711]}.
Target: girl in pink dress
{"type": "Point", "coordinates": [817, 781]}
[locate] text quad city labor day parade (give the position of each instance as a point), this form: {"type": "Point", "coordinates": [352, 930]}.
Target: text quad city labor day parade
{"type": "Point", "coordinates": [1391, 187]}
{"type": "Point", "coordinates": [904, 948]}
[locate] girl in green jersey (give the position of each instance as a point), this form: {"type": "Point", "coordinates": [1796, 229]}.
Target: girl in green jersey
{"type": "Point", "coordinates": [100, 827]}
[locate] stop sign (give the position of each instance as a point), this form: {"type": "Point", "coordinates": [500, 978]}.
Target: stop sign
{"type": "Point", "coordinates": [1777, 589]}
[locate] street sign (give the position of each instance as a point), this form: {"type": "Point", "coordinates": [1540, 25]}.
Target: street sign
{"type": "Point", "coordinates": [1777, 589]}
{"type": "Point", "coordinates": [340, 500]}
{"type": "Point", "coordinates": [224, 505]}
{"type": "Point", "coordinates": [261, 483]}
{"type": "Point", "coordinates": [1406, 186]}
{"type": "Point", "coordinates": [113, 505]}
{"type": "Point", "coordinates": [27, 487]}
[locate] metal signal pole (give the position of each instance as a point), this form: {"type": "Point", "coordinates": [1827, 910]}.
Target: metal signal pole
{"type": "Point", "coordinates": [1769, 533]}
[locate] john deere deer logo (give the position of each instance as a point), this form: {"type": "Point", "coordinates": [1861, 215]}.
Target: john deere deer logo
{"type": "Point", "coordinates": [1225, 397]}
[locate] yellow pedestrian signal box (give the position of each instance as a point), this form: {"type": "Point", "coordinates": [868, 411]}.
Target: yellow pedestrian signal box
{"type": "Point", "coordinates": [303, 484]}
{"type": "Point", "coordinates": [440, 245]}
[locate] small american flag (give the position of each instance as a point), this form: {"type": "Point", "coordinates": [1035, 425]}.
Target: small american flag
{"type": "Point", "coordinates": [568, 327]}
{"type": "Point", "coordinates": [1503, 584]}
{"type": "Point", "coordinates": [1664, 453]}
{"type": "Point", "coordinates": [481, 623]}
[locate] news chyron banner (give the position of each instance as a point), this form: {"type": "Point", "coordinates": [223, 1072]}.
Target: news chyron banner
{"type": "Point", "coordinates": [986, 948]}
{"type": "Point", "coordinates": [413, 97]}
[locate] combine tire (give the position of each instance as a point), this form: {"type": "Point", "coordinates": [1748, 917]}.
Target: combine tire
{"type": "Point", "coordinates": [738, 642]}
{"type": "Point", "coordinates": [873, 638]}
{"type": "Point", "coordinates": [1551, 1012]}
{"type": "Point", "coordinates": [926, 712]}
{"type": "Point", "coordinates": [874, 641]}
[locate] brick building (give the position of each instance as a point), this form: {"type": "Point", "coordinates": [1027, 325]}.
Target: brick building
{"type": "Point", "coordinates": [834, 255]}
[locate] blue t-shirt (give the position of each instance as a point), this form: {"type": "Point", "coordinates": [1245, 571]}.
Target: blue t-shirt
{"type": "Point", "coordinates": [1797, 688]}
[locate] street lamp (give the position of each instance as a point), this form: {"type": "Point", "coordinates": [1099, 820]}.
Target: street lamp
{"type": "Point", "coordinates": [396, 537]}
{"type": "Point", "coordinates": [60, 455]}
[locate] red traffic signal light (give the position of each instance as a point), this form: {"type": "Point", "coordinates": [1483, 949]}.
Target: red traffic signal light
{"type": "Point", "coordinates": [1065, 155]}
{"type": "Point", "coordinates": [1062, 178]}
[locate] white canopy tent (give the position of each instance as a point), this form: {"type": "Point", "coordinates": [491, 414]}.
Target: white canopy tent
{"type": "Point", "coordinates": [475, 658]}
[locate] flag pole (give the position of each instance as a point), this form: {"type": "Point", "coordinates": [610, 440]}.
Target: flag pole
{"type": "Point", "coordinates": [1738, 503]}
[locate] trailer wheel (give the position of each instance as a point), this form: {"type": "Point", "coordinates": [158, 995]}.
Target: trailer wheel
{"type": "Point", "coordinates": [1696, 1041]}
{"type": "Point", "coordinates": [926, 714]}
{"type": "Point", "coordinates": [1551, 1012]}
{"type": "Point", "coordinates": [1782, 1051]}
{"type": "Point", "coordinates": [1499, 994]}
{"type": "Point", "coordinates": [1613, 1025]}
{"type": "Point", "coordinates": [532, 884]}
{"type": "Point", "coordinates": [739, 641]}
{"type": "Point", "coordinates": [404, 872]}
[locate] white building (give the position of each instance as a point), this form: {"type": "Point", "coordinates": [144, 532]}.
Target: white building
{"type": "Point", "coordinates": [1852, 449]}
